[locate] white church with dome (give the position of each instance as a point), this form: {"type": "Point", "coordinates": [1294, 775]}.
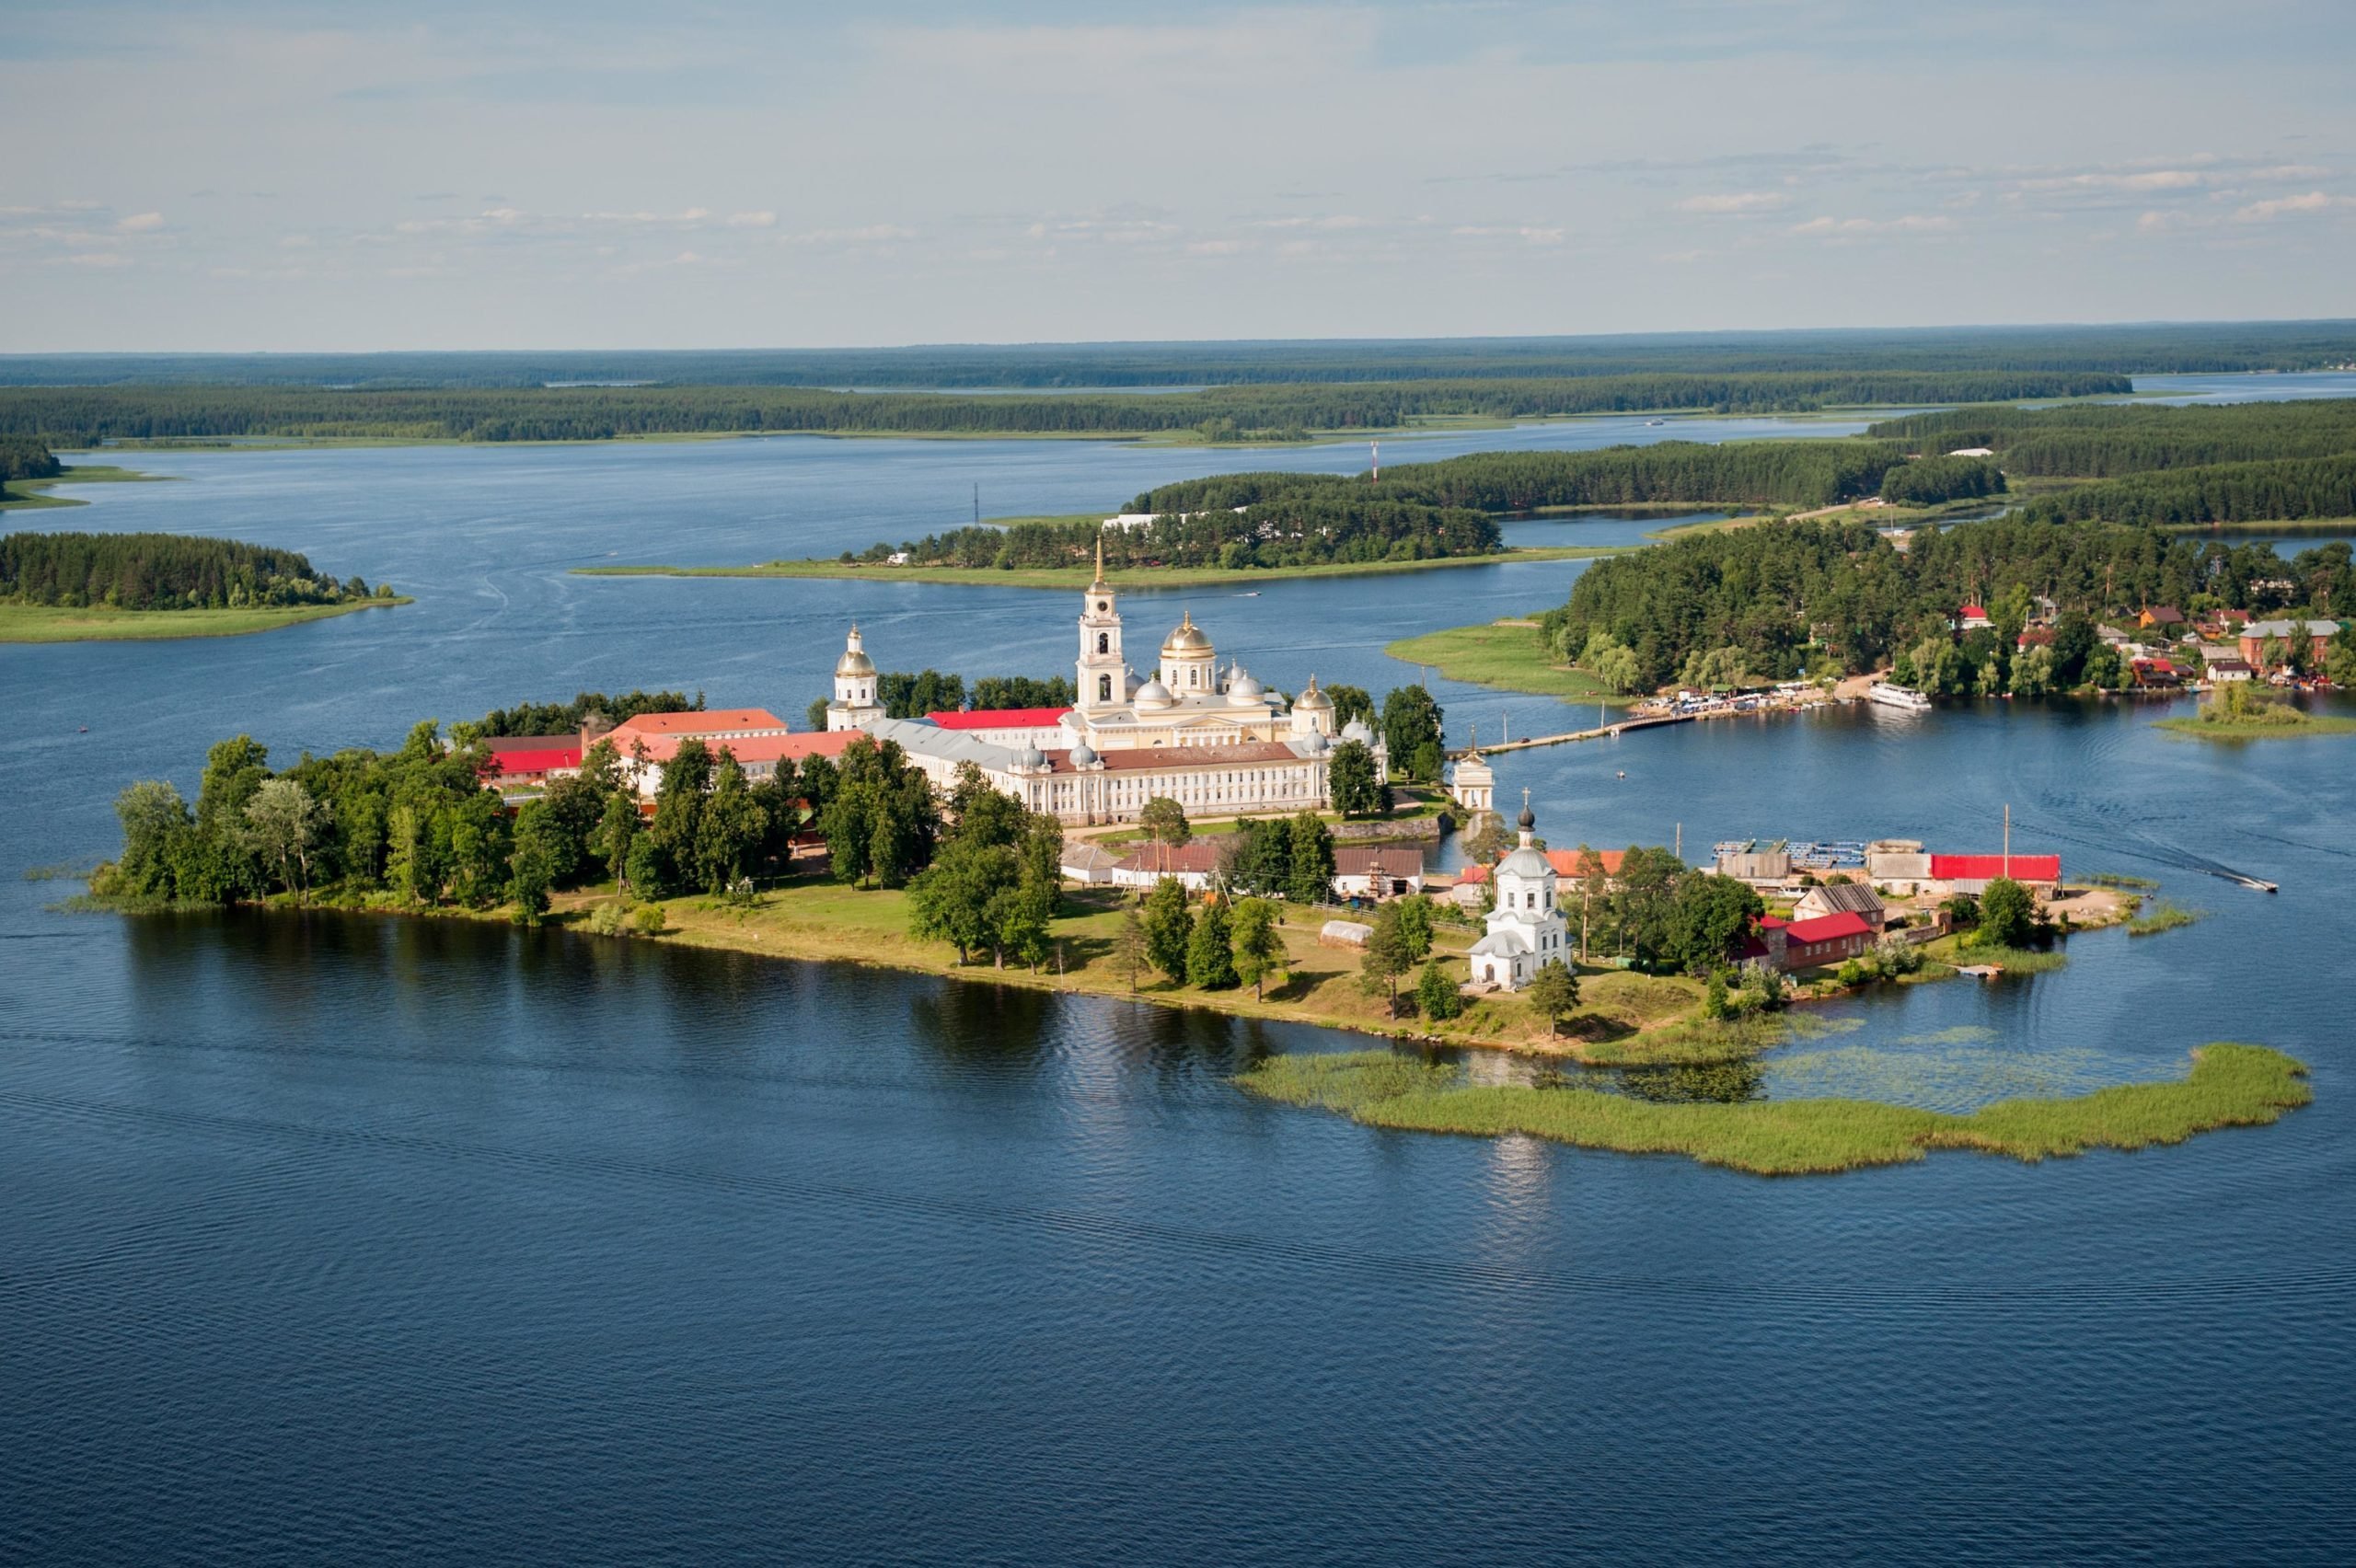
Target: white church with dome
{"type": "Point", "coordinates": [1218, 742]}
{"type": "Point", "coordinates": [1525, 930]}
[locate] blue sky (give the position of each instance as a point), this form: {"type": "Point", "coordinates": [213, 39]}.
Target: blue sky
{"type": "Point", "coordinates": [254, 177]}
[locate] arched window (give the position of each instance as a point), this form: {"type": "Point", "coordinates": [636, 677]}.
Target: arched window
{"type": "Point", "coordinates": [1103, 688]}
{"type": "Point", "coordinates": [1103, 643]}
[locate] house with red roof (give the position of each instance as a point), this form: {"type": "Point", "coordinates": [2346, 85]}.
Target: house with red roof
{"type": "Point", "coordinates": [1570, 865]}
{"type": "Point", "coordinates": [521, 763]}
{"type": "Point", "coordinates": [1815, 943]}
{"type": "Point", "coordinates": [1192, 863]}
{"type": "Point", "coordinates": [1971, 617]}
{"type": "Point", "coordinates": [710, 724]}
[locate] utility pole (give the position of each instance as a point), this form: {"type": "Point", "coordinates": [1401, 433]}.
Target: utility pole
{"type": "Point", "coordinates": [1681, 841]}
{"type": "Point", "coordinates": [2008, 838]}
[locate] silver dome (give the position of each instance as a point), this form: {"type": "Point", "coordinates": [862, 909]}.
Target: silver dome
{"type": "Point", "coordinates": [1355, 730]}
{"type": "Point", "coordinates": [1153, 693]}
{"type": "Point", "coordinates": [1033, 758]}
{"type": "Point", "coordinates": [1084, 756]}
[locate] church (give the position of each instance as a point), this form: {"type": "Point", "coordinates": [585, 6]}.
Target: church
{"type": "Point", "coordinates": [1217, 741]}
{"type": "Point", "coordinates": [1525, 930]}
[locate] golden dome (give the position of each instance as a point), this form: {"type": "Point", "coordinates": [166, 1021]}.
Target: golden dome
{"type": "Point", "coordinates": [854, 660]}
{"type": "Point", "coordinates": [1187, 639]}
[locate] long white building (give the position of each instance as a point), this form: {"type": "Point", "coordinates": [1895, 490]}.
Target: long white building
{"type": "Point", "coordinates": [1218, 742]}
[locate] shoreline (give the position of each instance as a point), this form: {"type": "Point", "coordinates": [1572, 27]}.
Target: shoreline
{"type": "Point", "coordinates": [1074, 579]}
{"type": "Point", "coordinates": [32, 624]}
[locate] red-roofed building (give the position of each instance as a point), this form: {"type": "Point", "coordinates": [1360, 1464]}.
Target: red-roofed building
{"type": "Point", "coordinates": [1972, 873]}
{"type": "Point", "coordinates": [1012, 728]}
{"type": "Point", "coordinates": [1818, 943]}
{"type": "Point", "coordinates": [1971, 617]}
{"type": "Point", "coordinates": [1194, 863]}
{"type": "Point", "coordinates": [712, 724]}
{"type": "Point", "coordinates": [757, 754]}
{"type": "Point", "coordinates": [1569, 865]}
{"type": "Point", "coordinates": [528, 762]}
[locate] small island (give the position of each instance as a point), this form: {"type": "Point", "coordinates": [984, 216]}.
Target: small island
{"type": "Point", "coordinates": [2239, 711]}
{"type": "Point", "coordinates": [96, 587]}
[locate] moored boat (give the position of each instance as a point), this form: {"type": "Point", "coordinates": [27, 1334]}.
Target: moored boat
{"type": "Point", "coordinates": [1890, 696]}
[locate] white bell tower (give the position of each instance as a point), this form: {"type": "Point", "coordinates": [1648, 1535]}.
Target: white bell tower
{"type": "Point", "coordinates": [1101, 673]}
{"type": "Point", "coordinates": [854, 705]}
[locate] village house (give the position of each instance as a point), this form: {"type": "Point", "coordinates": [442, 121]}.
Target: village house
{"type": "Point", "coordinates": [2162, 617]}
{"type": "Point", "coordinates": [1378, 871]}
{"type": "Point", "coordinates": [2229, 668]}
{"type": "Point", "coordinates": [1194, 864]}
{"type": "Point", "coordinates": [1818, 943]}
{"type": "Point", "coordinates": [2041, 874]}
{"type": "Point", "coordinates": [2258, 634]}
{"type": "Point", "coordinates": [523, 764]}
{"type": "Point", "coordinates": [1091, 865]}
{"type": "Point", "coordinates": [1842, 898]}
{"type": "Point", "coordinates": [1971, 617]}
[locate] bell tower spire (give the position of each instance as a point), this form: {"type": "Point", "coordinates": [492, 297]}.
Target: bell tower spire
{"type": "Point", "coordinates": [1102, 673]}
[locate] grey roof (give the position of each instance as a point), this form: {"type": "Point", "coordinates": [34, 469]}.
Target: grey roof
{"type": "Point", "coordinates": [1503, 943]}
{"type": "Point", "coordinates": [949, 746]}
{"type": "Point", "coordinates": [2286, 627]}
{"type": "Point", "coordinates": [1845, 898]}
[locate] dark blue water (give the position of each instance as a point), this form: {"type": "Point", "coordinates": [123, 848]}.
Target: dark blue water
{"type": "Point", "coordinates": [339, 1240]}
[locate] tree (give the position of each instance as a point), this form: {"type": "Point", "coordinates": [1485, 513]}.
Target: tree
{"type": "Point", "coordinates": [1130, 952]}
{"type": "Point", "coordinates": [1311, 859]}
{"type": "Point", "coordinates": [1210, 953]}
{"type": "Point", "coordinates": [1388, 955]}
{"type": "Point", "coordinates": [1350, 702]}
{"type": "Point", "coordinates": [979, 810]}
{"type": "Point", "coordinates": [1415, 925]}
{"type": "Point", "coordinates": [1437, 995]}
{"type": "Point", "coordinates": [1714, 995]}
{"type": "Point", "coordinates": [1257, 858]}
{"type": "Point", "coordinates": [155, 820]}
{"type": "Point", "coordinates": [1168, 928]}
{"type": "Point", "coordinates": [2007, 914]}
{"type": "Point", "coordinates": [951, 900]}
{"type": "Point", "coordinates": [1165, 821]}
{"type": "Point", "coordinates": [1259, 944]}
{"type": "Point", "coordinates": [1707, 915]}
{"type": "Point", "coordinates": [1553, 993]}
{"type": "Point", "coordinates": [678, 806]}
{"type": "Point", "coordinates": [531, 869]}
{"type": "Point", "coordinates": [282, 823]}
{"type": "Point", "coordinates": [616, 832]}
{"type": "Point", "coordinates": [1350, 775]}
{"type": "Point", "coordinates": [1411, 720]}
{"type": "Point", "coordinates": [816, 714]}
{"type": "Point", "coordinates": [1427, 762]}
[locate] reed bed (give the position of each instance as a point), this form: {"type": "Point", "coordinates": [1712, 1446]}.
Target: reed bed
{"type": "Point", "coordinates": [2162, 917]}
{"type": "Point", "coordinates": [2229, 1085]}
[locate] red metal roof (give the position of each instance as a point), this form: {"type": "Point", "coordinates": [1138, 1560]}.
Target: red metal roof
{"type": "Point", "coordinates": [504, 763]}
{"type": "Point", "coordinates": [755, 748]}
{"type": "Point", "coordinates": [1169, 859]}
{"type": "Point", "coordinates": [1566, 863]}
{"type": "Point", "coordinates": [530, 742]}
{"type": "Point", "coordinates": [710, 721]}
{"type": "Point", "coordinates": [998, 717]}
{"type": "Point", "coordinates": [1828, 928]}
{"type": "Point", "coordinates": [1973, 612]}
{"type": "Point", "coordinates": [1981, 868]}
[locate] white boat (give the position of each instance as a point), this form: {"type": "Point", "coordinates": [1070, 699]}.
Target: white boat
{"type": "Point", "coordinates": [1890, 696]}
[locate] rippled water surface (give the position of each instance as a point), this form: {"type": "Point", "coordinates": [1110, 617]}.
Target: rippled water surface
{"type": "Point", "coordinates": [333, 1239]}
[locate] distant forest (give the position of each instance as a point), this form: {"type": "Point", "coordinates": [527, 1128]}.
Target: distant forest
{"type": "Point", "coordinates": [2099, 440]}
{"type": "Point", "coordinates": [1759, 473]}
{"type": "Point", "coordinates": [1315, 527]}
{"type": "Point", "coordinates": [84, 416]}
{"type": "Point", "coordinates": [2143, 349]}
{"type": "Point", "coordinates": [162, 572]}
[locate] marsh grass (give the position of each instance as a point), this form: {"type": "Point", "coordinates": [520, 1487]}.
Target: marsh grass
{"type": "Point", "coordinates": [2120, 880]}
{"type": "Point", "coordinates": [2229, 1085]}
{"type": "Point", "coordinates": [2162, 917]}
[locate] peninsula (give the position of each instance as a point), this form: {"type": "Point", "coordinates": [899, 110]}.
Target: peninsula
{"type": "Point", "coordinates": [96, 587]}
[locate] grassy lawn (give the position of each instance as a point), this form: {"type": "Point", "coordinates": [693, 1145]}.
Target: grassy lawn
{"type": "Point", "coordinates": [1079, 577]}
{"type": "Point", "coordinates": [31, 495]}
{"type": "Point", "coordinates": [50, 623]}
{"type": "Point", "coordinates": [2229, 1085]}
{"type": "Point", "coordinates": [1506, 654]}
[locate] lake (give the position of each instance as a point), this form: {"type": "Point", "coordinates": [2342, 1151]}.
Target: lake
{"type": "Point", "coordinates": [330, 1239]}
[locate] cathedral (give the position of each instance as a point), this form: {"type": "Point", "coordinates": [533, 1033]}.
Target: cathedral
{"type": "Point", "coordinates": [1218, 742]}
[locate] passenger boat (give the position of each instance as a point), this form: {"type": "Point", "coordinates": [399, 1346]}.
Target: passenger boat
{"type": "Point", "coordinates": [1890, 696]}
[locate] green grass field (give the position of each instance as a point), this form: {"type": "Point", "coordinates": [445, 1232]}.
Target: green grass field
{"type": "Point", "coordinates": [2307, 724]}
{"type": "Point", "coordinates": [1074, 579]}
{"type": "Point", "coordinates": [1506, 654]}
{"type": "Point", "coordinates": [50, 623]}
{"type": "Point", "coordinates": [2229, 1085]}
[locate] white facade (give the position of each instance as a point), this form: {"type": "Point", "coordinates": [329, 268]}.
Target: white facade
{"type": "Point", "coordinates": [853, 706]}
{"type": "Point", "coordinates": [1216, 741]}
{"type": "Point", "coordinates": [1525, 929]}
{"type": "Point", "coordinates": [1472, 783]}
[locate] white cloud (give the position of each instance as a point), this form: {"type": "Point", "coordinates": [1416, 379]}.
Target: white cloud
{"type": "Point", "coordinates": [1912, 223]}
{"type": "Point", "coordinates": [2140, 179]}
{"type": "Point", "coordinates": [752, 220]}
{"type": "Point", "coordinates": [1738, 202]}
{"type": "Point", "coordinates": [1216, 247]}
{"type": "Point", "coordinates": [140, 223]}
{"type": "Point", "coordinates": [1532, 233]}
{"type": "Point", "coordinates": [2292, 207]}
{"type": "Point", "coordinates": [99, 258]}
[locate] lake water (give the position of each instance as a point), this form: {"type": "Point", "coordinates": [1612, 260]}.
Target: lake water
{"type": "Point", "coordinates": [339, 1240]}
